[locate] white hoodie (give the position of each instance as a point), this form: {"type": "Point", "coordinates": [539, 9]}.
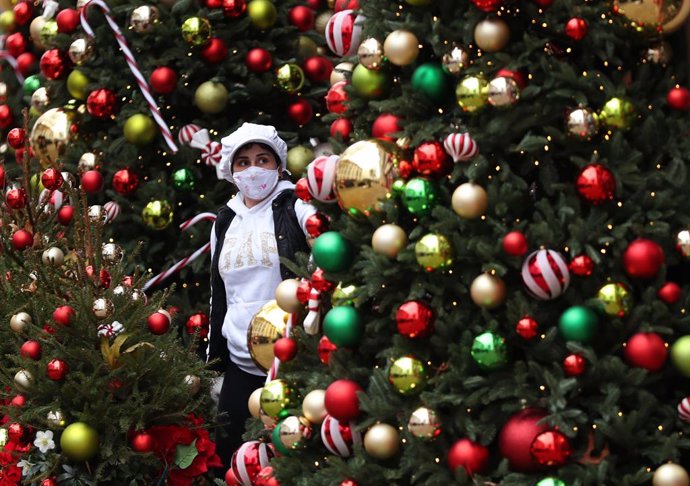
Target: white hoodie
{"type": "Point", "coordinates": [249, 266]}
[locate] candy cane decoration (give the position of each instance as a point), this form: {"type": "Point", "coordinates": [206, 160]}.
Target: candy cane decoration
{"type": "Point", "coordinates": [273, 372]}
{"type": "Point", "coordinates": [133, 66]}
{"type": "Point", "coordinates": [311, 322]}
{"type": "Point", "coordinates": [13, 64]}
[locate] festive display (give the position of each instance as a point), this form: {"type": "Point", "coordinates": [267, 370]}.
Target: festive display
{"type": "Point", "coordinates": [578, 323]}
{"type": "Point", "coordinates": [545, 274]}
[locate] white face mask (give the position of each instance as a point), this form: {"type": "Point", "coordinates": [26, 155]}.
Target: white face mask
{"type": "Point", "coordinates": [256, 183]}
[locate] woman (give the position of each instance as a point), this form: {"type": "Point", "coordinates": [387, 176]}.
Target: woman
{"type": "Point", "coordinates": [262, 223]}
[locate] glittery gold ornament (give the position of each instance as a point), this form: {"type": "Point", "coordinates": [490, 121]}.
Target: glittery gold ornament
{"type": "Point", "coordinates": [144, 18]}
{"type": "Point", "coordinates": [314, 407]}
{"type": "Point", "coordinates": [81, 50]}
{"type": "Point", "coordinates": [24, 380]}
{"type": "Point", "coordinates": [370, 54]}
{"type": "Point", "coordinates": [683, 243]}
{"type": "Point", "coordinates": [582, 122]}
{"type": "Point", "coordinates": [433, 252]}
{"type": "Point", "coordinates": [503, 91]}
{"type": "Point", "coordinates": [276, 396]}
{"type": "Point", "coordinates": [20, 321]}
{"type": "Point", "coordinates": [254, 403]}
{"type": "Point", "coordinates": [669, 15]}
{"type": "Point", "coordinates": [102, 308]}
{"type": "Point", "coordinates": [401, 47]}
{"type": "Point", "coordinates": [262, 13]}
{"type": "Point", "coordinates": [617, 113]}
{"type": "Point", "coordinates": [293, 432]}
{"type": "Point", "coordinates": [488, 291]}
{"type": "Point", "coordinates": [290, 78]}
{"type": "Point", "coordinates": [407, 375]}
{"type": "Point", "coordinates": [49, 30]}
{"type": "Point", "coordinates": [97, 214]}
{"type": "Point", "coordinates": [53, 257]}
{"type": "Point", "coordinates": [196, 31]}
{"type": "Point", "coordinates": [382, 441]}
{"type": "Point", "coordinates": [454, 61]}
{"type": "Point", "coordinates": [424, 424]}
{"type": "Point", "coordinates": [492, 34]}
{"type": "Point", "coordinates": [265, 328]}
{"type": "Point", "coordinates": [615, 299]}
{"type": "Point", "coordinates": [670, 475]}
{"type": "Point", "coordinates": [157, 214]}
{"type": "Point", "coordinates": [211, 97]}
{"type": "Point", "coordinates": [51, 134]}
{"type": "Point", "coordinates": [389, 240]}
{"type": "Point", "coordinates": [469, 200]}
{"type": "Point", "coordinates": [472, 93]}
{"type": "Point", "coordinates": [341, 72]}
{"type": "Point", "coordinates": [40, 100]}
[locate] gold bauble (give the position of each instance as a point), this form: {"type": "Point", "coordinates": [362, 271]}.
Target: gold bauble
{"type": "Point", "coordinates": [20, 321]}
{"type": "Point", "coordinates": [389, 239]}
{"type": "Point", "coordinates": [364, 174]}
{"type": "Point", "coordinates": [424, 424]}
{"type": "Point", "coordinates": [139, 129]}
{"type": "Point", "coordinates": [77, 82]}
{"type": "Point", "coordinates": [343, 295]}
{"type": "Point", "coordinates": [614, 299]}
{"type": "Point", "coordinates": [290, 78]}
{"type": "Point", "coordinates": [321, 21]}
{"type": "Point", "coordinates": [40, 99]}
{"type": "Point", "coordinates": [7, 22]}
{"type": "Point", "coordinates": [488, 291]}
{"type": "Point", "coordinates": [193, 384]}
{"type": "Point", "coordinates": [660, 53]}
{"type": "Point", "coordinates": [401, 47]}
{"type": "Point", "coordinates": [433, 252]}
{"type": "Point", "coordinates": [469, 200]}
{"type": "Point", "coordinates": [683, 243]}
{"type": "Point", "coordinates": [407, 375]}
{"type": "Point", "coordinates": [670, 475]}
{"type": "Point", "coordinates": [670, 15]}
{"type": "Point", "coordinates": [265, 328]}
{"type": "Point", "coordinates": [254, 403]}
{"type": "Point", "coordinates": [49, 30]}
{"type": "Point", "coordinates": [53, 257]}
{"type": "Point", "coordinates": [370, 53]}
{"type": "Point", "coordinates": [262, 13]}
{"type": "Point", "coordinates": [138, 296]}
{"type": "Point", "coordinates": [617, 113]}
{"type": "Point", "coordinates": [97, 214]}
{"type": "Point", "coordinates": [35, 31]}
{"type": "Point", "coordinates": [341, 72]}
{"type": "Point", "coordinates": [382, 441]}
{"type": "Point", "coordinates": [455, 61]}
{"type": "Point", "coordinates": [196, 31]}
{"type": "Point", "coordinates": [102, 308]}
{"type": "Point", "coordinates": [286, 296]}
{"type": "Point", "coordinates": [79, 441]}
{"type": "Point", "coordinates": [56, 419]}
{"type": "Point", "coordinates": [50, 136]}
{"type": "Point", "coordinates": [211, 97]}
{"type": "Point", "coordinates": [471, 93]}
{"type": "Point", "coordinates": [314, 406]}
{"type": "Point", "coordinates": [293, 432]}
{"type": "Point", "coordinates": [503, 91]}
{"type": "Point", "coordinates": [24, 380]}
{"type": "Point", "coordinates": [112, 254]}
{"type": "Point", "coordinates": [144, 18]}
{"type": "Point", "coordinates": [81, 50]}
{"type": "Point", "coordinates": [582, 122]}
{"type": "Point", "coordinates": [491, 35]}
{"type": "Point", "coordinates": [275, 397]}
{"type": "Point", "coordinates": [306, 47]}
{"type": "Point", "coordinates": [88, 161]}
{"type": "Point", "coordinates": [298, 158]}
{"type": "Point", "coordinates": [157, 214]}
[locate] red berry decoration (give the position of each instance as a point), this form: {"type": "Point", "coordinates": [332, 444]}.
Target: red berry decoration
{"type": "Point", "coordinates": [430, 159]}
{"type": "Point", "coordinates": [198, 324]}
{"type": "Point", "coordinates": [215, 51]}
{"type": "Point", "coordinates": [101, 103]}
{"type": "Point", "coordinates": [678, 98]}
{"type": "Point", "coordinates": [576, 28]}
{"type": "Point", "coordinates": [527, 328]}
{"type": "Point", "coordinates": [488, 5]}
{"type": "Point", "coordinates": [163, 80]}
{"type": "Point", "coordinates": [16, 198]}
{"type": "Point", "coordinates": [26, 63]}
{"type": "Point", "coordinates": [415, 319]}
{"type": "Point", "coordinates": [316, 224]}
{"type": "Point", "coordinates": [233, 8]}
{"type": "Point", "coordinates": [54, 64]}
{"type": "Point", "coordinates": [22, 12]}
{"type": "Point", "coordinates": [285, 349]}
{"type": "Point", "coordinates": [6, 119]}
{"type": "Point", "coordinates": [142, 442]}
{"type": "Point", "coordinates": [324, 349]}
{"type": "Point", "coordinates": [646, 350]}
{"type": "Point", "coordinates": [302, 189]}
{"type": "Point", "coordinates": [22, 239]}
{"type": "Point", "coordinates": [318, 69]}
{"type": "Point", "coordinates": [341, 128]}
{"type": "Point", "coordinates": [31, 349]}
{"type": "Point", "coordinates": [670, 293]}
{"type": "Point", "coordinates": [63, 315]}
{"type": "Point", "coordinates": [258, 60]}
{"type": "Point", "coordinates": [385, 126]}
{"type": "Point", "coordinates": [158, 323]}
{"type": "Point", "coordinates": [574, 365]}
{"type": "Point", "coordinates": [596, 184]}
{"type": "Point", "coordinates": [405, 169]}
{"type": "Point", "coordinates": [15, 44]}
{"type": "Point", "coordinates": [551, 448]}
{"type": "Point", "coordinates": [52, 179]}
{"type": "Point", "coordinates": [57, 369]}
{"type": "Point", "coordinates": [336, 98]}
{"type": "Point", "coordinates": [67, 20]}
{"type": "Point", "coordinates": [125, 181]}
{"type": "Point", "coordinates": [65, 215]}
{"type": "Point", "coordinates": [341, 400]}
{"type": "Point", "coordinates": [92, 181]}
{"type": "Point", "coordinates": [515, 243]}
{"type": "Point", "coordinates": [643, 258]}
{"type": "Point", "coordinates": [469, 455]}
{"type": "Point", "coordinates": [300, 111]}
{"type": "Point", "coordinates": [302, 17]}
{"type": "Point", "coordinates": [582, 266]}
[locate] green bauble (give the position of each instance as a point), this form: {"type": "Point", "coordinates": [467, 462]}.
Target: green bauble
{"type": "Point", "coordinates": [431, 80]}
{"type": "Point", "coordinates": [77, 82]}
{"type": "Point", "coordinates": [332, 252]}
{"type": "Point", "coordinates": [489, 351]}
{"type": "Point", "coordinates": [551, 482]}
{"type": "Point", "coordinates": [298, 159]}
{"type": "Point", "coordinates": [139, 129]}
{"type": "Point", "coordinates": [183, 179]}
{"type": "Point", "coordinates": [407, 375]}
{"type": "Point", "coordinates": [398, 187]}
{"type": "Point", "coordinates": [578, 323]}
{"type": "Point", "coordinates": [617, 113]}
{"type": "Point", "coordinates": [31, 84]}
{"type": "Point", "coordinates": [419, 196]}
{"type": "Point", "coordinates": [472, 93]}
{"type": "Point", "coordinates": [370, 84]}
{"type": "Point", "coordinates": [277, 443]}
{"type": "Point", "coordinates": [433, 252]}
{"type": "Point", "coordinates": [343, 326]}
{"type": "Point", "coordinates": [157, 214]}
{"type": "Point", "coordinates": [680, 355]}
{"type": "Point", "coordinates": [275, 397]}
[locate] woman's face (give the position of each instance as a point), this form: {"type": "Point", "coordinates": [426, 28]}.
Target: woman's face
{"type": "Point", "coordinates": [254, 155]}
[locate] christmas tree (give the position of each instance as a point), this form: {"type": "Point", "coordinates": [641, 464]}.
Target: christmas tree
{"type": "Point", "coordinates": [503, 282]}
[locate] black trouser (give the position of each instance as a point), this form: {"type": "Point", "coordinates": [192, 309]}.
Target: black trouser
{"type": "Point", "coordinates": [233, 410]}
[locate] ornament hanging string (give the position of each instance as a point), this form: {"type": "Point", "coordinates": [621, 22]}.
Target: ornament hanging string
{"type": "Point", "coordinates": [13, 64]}
{"type": "Point", "coordinates": [188, 259]}
{"type": "Point", "coordinates": [273, 372]}
{"type": "Point", "coordinates": [133, 66]}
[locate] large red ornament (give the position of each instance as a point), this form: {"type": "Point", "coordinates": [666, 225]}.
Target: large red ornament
{"type": "Point", "coordinates": [142, 442]}
{"type": "Point", "coordinates": [198, 324]}
{"type": "Point", "coordinates": [125, 181]}
{"type": "Point", "coordinates": [52, 179]}
{"type": "Point", "coordinates": [576, 28]}
{"type": "Point", "coordinates": [18, 401]}
{"type": "Point", "coordinates": [385, 126]}
{"type": "Point", "coordinates": [302, 189]}
{"type": "Point", "coordinates": [341, 400]}
{"type": "Point", "coordinates": [469, 455]}
{"type": "Point", "coordinates": [22, 12]}
{"type": "Point", "coordinates": [300, 111]}
{"type": "Point", "coordinates": [250, 459]}
{"type": "Point", "coordinates": [678, 98]}
{"type": "Point", "coordinates": [67, 20]}
{"type": "Point", "coordinates": [582, 266]}
{"type": "Point", "coordinates": [16, 198]}
{"type": "Point", "coordinates": [54, 64]}
{"type": "Point", "coordinates": [266, 478]}
{"type": "Point", "coordinates": [517, 436]}
{"type": "Point", "coordinates": [319, 282]}
{"type": "Point", "coordinates": [92, 181]}
{"type": "Point", "coordinates": [57, 369]}
{"type": "Point", "coordinates": [574, 364]}
{"type": "Point", "coordinates": [643, 258]}
{"type": "Point", "coordinates": [527, 328]}
{"type": "Point", "coordinates": [415, 319]}
{"type": "Point", "coordinates": [596, 184]}
{"type": "Point", "coordinates": [670, 293]}
{"type": "Point", "coordinates": [336, 98]}
{"type": "Point", "coordinates": [233, 8]}
{"type": "Point", "coordinates": [517, 76]}
{"type": "Point", "coordinates": [22, 239]}
{"type": "Point", "coordinates": [258, 60]}
{"type": "Point", "coordinates": [488, 5]}
{"type": "Point", "coordinates": [63, 315]}
{"type": "Point", "coordinates": [316, 224]}
{"type": "Point", "coordinates": [341, 128]}
{"type": "Point", "coordinates": [158, 323]}
{"type": "Point", "coordinates": [515, 243]}
{"type": "Point", "coordinates": [31, 349]}
{"type": "Point", "coordinates": [318, 69]}
{"type": "Point", "coordinates": [545, 274]}
{"type": "Point", "coordinates": [302, 17]}
{"type": "Point", "coordinates": [430, 159]}
{"type": "Point", "coordinates": [551, 448]}
{"type": "Point", "coordinates": [163, 80]}
{"type": "Point", "coordinates": [15, 44]}
{"type": "Point", "coordinates": [646, 350]}
{"type": "Point", "coordinates": [338, 437]}
{"type": "Point", "coordinates": [324, 349]}
{"type": "Point", "coordinates": [215, 51]}
{"type": "Point", "coordinates": [6, 119]}
{"type": "Point", "coordinates": [65, 215]}
{"type": "Point", "coordinates": [285, 349]}
{"type": "Point", "coordinates": [26, 63]}
{"type": "Point", "coordinates": [101, 103]}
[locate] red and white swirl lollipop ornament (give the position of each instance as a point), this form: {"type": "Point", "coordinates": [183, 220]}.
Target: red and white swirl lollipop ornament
{"type": "Point", "coordinates": [184, 136]}
{"type": "Point", "coordinates": [684, 409]}
{"type": "Point", "coordinates": [338, 437]}
{"type": "Point", "coordinates": [545, 274]}
{"type": "Point", "coordinates": [344, 32]}
{"type": "Point", "coordinates": [321, 177]}
{"type": "Point", "coordinates": [249, 459]}
{"type": "Point", "coordinates": [461, 147]}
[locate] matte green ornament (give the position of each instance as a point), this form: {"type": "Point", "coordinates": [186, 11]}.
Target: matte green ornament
{"type": "Point", "coordinates": [343, 326]}
{"type": "Point", "coordinates": [183, 179]}
{"type": "Point", "coordinates": [680, 355]}
{"type": "Point", "coordinates": [578, 323]}
{"type": "Point", "coordinates": [277, 443]}
{"type": "Point", "coordinates": [433, 252]}
{"type": "Point", "coordinates": [419, 196]}
{"type": "Point", "coordinates": [431, 80]}
{"type": "Point", "coordinates": [368, 83]}
{"type": "Point", "coordinates": [275, 397]}
{"type": "Point", "coordinates": [551, 482]}
{"type": "Point", "coordinates": [31, 84]}
{"type": "Point", "coordinates": [332, 252]}
{"type": "Point", "coordinates": [489, 351]}
{"type": "Point", "coordinates": [407, 375]}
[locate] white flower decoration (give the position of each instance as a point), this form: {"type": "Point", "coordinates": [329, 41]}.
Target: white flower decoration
{"type": "Point", "coordinates": [25, 465]}
{"type": "Point", "coordinates": [110, 330]}
{"type": "Point", "coordinates": [44, 441]}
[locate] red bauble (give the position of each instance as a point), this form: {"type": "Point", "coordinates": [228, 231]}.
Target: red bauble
{"type": "Point", "coordinates": [18, 401]}
{"type": "Point", "coordinates": [22, 239]}
{"type": "Point", "coordinates": [16, 198]}
{"type": "Point", "coordinates": [430, 159]}
{"type": "Point", "coordinates": [300, 111]}
{"type": "Point", "coordinates": [341, 5]}
{"type": "Point", "coordinates": [285, 349]}
{"type": "Point", "coordinates": [415, 319]}
{"type": "Point", "coordinates": [54, 64]}
{"type": "Point", "coordinates": [582, 266]}
{"type": "Point", "coordinates": [302, 17]}
{"type": "Point", "coordinates": [6, 119]}
{"type": "Point", "coordinates": [230, 478]}
{"type": "Point", "coordinates": [215, 51]}
{"type": "Point", "coordinates": [574, 365]}
{"type": "Point", "coordinates": [214, 3]}
{"type": "Point", "coordinates": [319, 282]}
{"type": "Point", "coordinates": [303, 291]}
{"type": "Point", "coordinates": [142, 442]}
{"type": "Point", "coordinates": [163, 80]}
{"type": "Point", "coordinates": [65, 215]}
{"type": "Point", "coordinates": [57, 369]}
{"type": "Point", "coordinates": [125, 181]}
{"type": "Point", "coordinates": [341, 400]}
{"type": "Point", "coordinates": [405, 169]}
{"type": "Point", "coordinates": [646, 350]}
{"type": "Point", "coordinates": [488, 5]}
{"type": "Point", "coordinates": [517, 76]}
{"type": "Point", "coordinates": [198, 324]}
{"type": "Point", "coordinates": [265, 478]}
{"type": "Point", "coordinates": [63, 315]}
{"type": "Point", "coordinates": [517, 436]}
{"type": "Point", "coordinates": [318, 69]}
{"type": "Point", "coordinates": [469, 455]}
{"type": "Point", "coordinates": [324, 349]}
{"type": "Point", "coordinates": [643, 258]}
{"type": "Point", "coordinates": [341, 128]}
{"type": "Point", "coordinates": [336, 98]}
{"type": "Point", "coordinates": [551, 448]}
{"type": "Point", "coordinates": [302, 189]}
{"type": "Point", "coordinates": [678, 98]}
{"type": "Point", "coordinates": [515, 243]}
{"type": "Point", "coordinates": [233, 8]}
{"type": "Point", "coordinates": [670, 293]}
{"type": "Point", "coordinates": [576, 28]}
{"type": "Point", "coordinates": [26, 63]}
{"type": "Point", "coordinates": [316, 224]}
{"type": "Point", "coordinates": [527, 328]}
{"type": "Point", "coordinates": [92, 181]}
{"type": "Point", "coordinates": [258, 60]}
{"type": "Point", "coordinates": [31, 349]}
{"type": "Point", "coordinates": [596, 184]}
{"type": "Point", "coordinates": [67, 20]}
{"type": "Point", "coordinates": [101, 103]}
{"type": "Point", "coordinates": [158, 323]}
{"type": "Point", "coordinates": [49, 482]}
{"type": "Point", "coordinates": [385, 126]}
{"type": "Point", "coordinates": [52, 179]}
{"type": "Point", "coordinates": [15, 44]}
{"type": "Point", "coordinates": [22, 12]}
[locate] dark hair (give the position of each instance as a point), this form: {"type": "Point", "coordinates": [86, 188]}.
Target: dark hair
{"type": "Point", "coordinates": [263, 146]}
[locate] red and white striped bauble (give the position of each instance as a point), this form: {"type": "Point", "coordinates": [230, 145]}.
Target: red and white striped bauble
{"type": "Point", "coordinates": [461, 146]}
{"type": "Point", "coordinates": [57, 199]}
{"type": "Point", "coordinates": [546, 274]}
{"type": "Point", "coordinates": [184, 136]}
{"type": "Point", "coordinates": [112, 211]}
{"type": "Point", "coordinates": [684, 409]}
{"type": "Point", "coordinates": [339, 437]}
{"type": "Point", "coordinates": [321, 176]}
{"type": "Point", "coordinates": [344, 32]}
{"type": "Point", "coordinates": [249, 459]}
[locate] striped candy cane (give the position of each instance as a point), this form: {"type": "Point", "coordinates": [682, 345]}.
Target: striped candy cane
{"type": "Point", "coordinates": [273, 372]}
{"type": "Point", "coordinates": [133, 66]}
